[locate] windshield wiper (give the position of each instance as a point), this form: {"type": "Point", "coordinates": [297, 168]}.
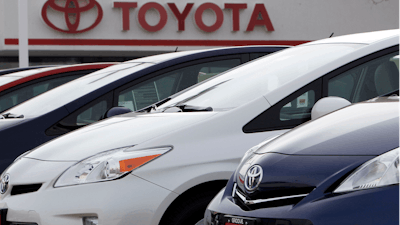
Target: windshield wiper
{"type": "Point", "coordinates": [11, 116]}
{"type": "Point", "coordinates": [154, 106]}
{"type": "Point", "coordinates": [191, 108]}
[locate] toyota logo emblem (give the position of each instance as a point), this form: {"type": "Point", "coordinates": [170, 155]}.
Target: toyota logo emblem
{"type": "Point", "coordinates": [72, 14]}
{"type": "Point", "coordinates": [253, 177]}
{"type": "Point", "coordinates": [4, 183]}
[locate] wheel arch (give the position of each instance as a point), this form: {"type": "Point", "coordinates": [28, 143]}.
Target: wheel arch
{"type": "Point", "coordinates": [208, 186]}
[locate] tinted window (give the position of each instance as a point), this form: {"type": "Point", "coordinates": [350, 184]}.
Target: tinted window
{"type": "Point", "coordinates": [371, 79]}
{"type": "Point", "coordinates": [142, 94]}
{"type": "Point", "coordinates": [259, 77]}
{"type": "Point", "coordinates": [342, 86]}
{"type": "Point", "coordinates": [25, 93]}
{"type": "Point", "coordinates": [368, 80]}
{"type": "Point", "coordinates": [299, 108]}
{"type": "Point", "coordinates": [149, 92]}
{"type": "Point", "coordinates": [164, 85]}
{"type": "Point", "coordinates": [75, 89]}
{"type": "Point", "coordinates": [86, 115]}
{"type": "Point", "coordinates": [92, 114]}
{"type": "Point", "coordinates": [288, 113]}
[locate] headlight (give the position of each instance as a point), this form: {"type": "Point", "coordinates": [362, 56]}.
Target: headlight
{"type": "Point", "coordinates": [108, 165]}
{"type": "Point", "coordinates": [378, 172]}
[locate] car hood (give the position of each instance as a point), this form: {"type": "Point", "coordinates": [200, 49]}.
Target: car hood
{"type": "Point", "coordinates": [286, 175]}
{"type": "Point", "coordinates": [369, 128]}
{"type": "Point", "coordinates": [39, 172]}
{"type": "Point", "coordinates": [322, 151]}
{"type": "Point", "coordinates": [120, 131]}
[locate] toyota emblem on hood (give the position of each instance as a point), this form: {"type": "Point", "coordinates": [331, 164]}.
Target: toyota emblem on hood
{"type": "Point", "coordinates": [253, 177]}
{"type": "Point", "coordinates": [4, 183]}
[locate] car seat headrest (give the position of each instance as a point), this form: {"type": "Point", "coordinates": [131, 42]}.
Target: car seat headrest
{"type": "Point", "coordinates": [386, 78]}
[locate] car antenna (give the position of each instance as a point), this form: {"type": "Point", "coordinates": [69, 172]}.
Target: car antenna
{"type": "Point", "coordinates": [176, 49]}
{"type": "Point", "coordinates": [331, 35]}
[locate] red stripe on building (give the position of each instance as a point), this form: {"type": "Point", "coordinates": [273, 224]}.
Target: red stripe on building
{"type": "Point", "coordinates": [117, 42]}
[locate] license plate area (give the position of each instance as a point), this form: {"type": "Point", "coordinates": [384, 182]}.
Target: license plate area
{"type": "Point", "coordinates": [237, 220]}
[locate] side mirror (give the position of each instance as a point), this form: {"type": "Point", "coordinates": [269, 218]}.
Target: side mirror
{"type": "Point", "coordinates": [395, 59]}
{"type": "Point", "coordinates": [115, 111]}
{"type": "Point", "coordinates": [328, 105]}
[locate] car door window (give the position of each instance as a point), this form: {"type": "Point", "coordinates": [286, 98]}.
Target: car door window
{"type": "Point", "coordinates": [146, 93]}
{"type": "Point", "coordinates": [142, 94]}
{"type": "Point", "coordinates": [92, 114]}
{"type": "Point", "coordinates": [28, 91]}
{"type": "Point", "coordinates": [378, 75]}
{"type": "Point", "coordinates": [289, 112]}
{"type": "Point", "coordinates": [299, 108]}
{"type": "Point", "coordinates": [87, 114]}
{"type": "Point", "coordinates": [368, 80]}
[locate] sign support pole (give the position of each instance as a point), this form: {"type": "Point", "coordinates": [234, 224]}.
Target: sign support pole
{"type": "Point", "coordinates": [23, 33]}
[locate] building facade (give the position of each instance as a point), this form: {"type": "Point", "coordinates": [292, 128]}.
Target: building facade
{"type": "Point", "coordinates": [74, 31]}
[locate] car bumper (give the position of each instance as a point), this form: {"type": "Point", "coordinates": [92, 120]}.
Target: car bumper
{"type": "Point", "coordinates": [373, 206]}
{"type": "Point", "coordinates": [120, 201]}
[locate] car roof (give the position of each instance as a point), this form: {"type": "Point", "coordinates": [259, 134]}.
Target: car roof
{"type": "Point", "coordinates": [361, 38]}
{"type": "Point", "coordinates": [229, 50]}
{"type": "Point", "coordinates": [13, 70]}
{"type": "Point", "coordinates": [32, 74]}
{"type": "Point", "coordinates": [101, 82]}
{"type": "Point", "coordinates": [378, 41]}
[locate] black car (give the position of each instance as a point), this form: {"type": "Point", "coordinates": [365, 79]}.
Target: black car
{"type": "Point", "coordinates": [134, 84]}
{"type": "Point", "coordinates": [339, 169]}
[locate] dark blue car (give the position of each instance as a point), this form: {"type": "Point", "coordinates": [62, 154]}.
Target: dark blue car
{"type": "Point", "coordinates": [134, 84]}
{"type": "Point", "coordinates": [339, 169]}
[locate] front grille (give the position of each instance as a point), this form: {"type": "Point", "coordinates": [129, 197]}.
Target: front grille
{"type": "Point", "coordinates": [277, 203]}
{"type": "Point", "coordinates": [23, 189]}
{"type": "Point", "coordinates": [274, 199]}
{"type": "Point", "coordinates": [273, 192]}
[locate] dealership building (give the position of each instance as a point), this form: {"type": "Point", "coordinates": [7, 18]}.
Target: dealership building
{"type": "Point", "coordinates": [76, 31]}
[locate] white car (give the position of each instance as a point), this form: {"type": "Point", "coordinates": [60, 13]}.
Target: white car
{"type": "Point", "coordinates": [164, 165]}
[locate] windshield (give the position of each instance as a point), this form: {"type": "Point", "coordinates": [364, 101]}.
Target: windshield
{"type": "Point", "coordinates": [257, 78]}
{"type": "Point", "coordinates": [75, 89]}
